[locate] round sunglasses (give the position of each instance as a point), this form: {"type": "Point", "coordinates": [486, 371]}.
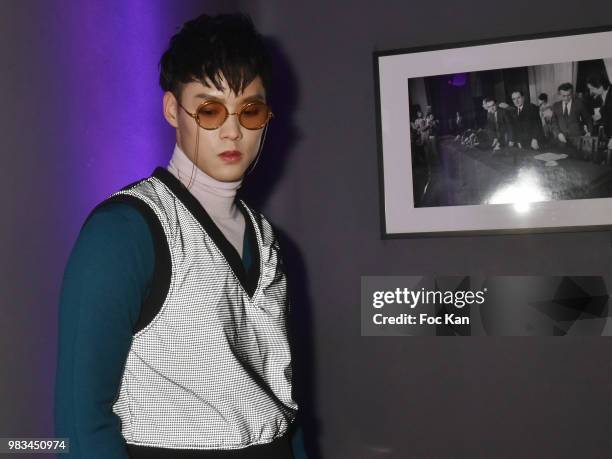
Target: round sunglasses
{"type": "Point", "coordinates": [211, 114]}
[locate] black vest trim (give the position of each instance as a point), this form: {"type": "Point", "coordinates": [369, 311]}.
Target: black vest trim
{"type": "Point", "coordinates": [160, 283]}
{"type": "Point", "coordinates": [247, 280]}
{"type": "Point", "coordinates": [280, 448]}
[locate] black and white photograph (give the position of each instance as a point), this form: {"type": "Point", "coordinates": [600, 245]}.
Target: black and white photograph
{"type": "Point", "coordinates": [514, 135]}
{"type": "Point", "coordinates": [482, 137]}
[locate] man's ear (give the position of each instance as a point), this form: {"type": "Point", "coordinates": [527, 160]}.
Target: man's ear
{"type": "Point", "coordinates": [170, 109]}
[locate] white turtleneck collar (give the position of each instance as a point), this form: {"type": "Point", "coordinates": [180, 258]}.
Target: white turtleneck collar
{"type": "Point", "coordinates": [218, 198]}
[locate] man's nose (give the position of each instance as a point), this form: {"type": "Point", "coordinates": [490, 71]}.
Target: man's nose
{"type": "Point", "coordinates": [231, 127]}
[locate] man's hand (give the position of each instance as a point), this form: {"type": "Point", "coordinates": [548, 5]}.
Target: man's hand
{"type": "Point", "coordinates": [534, 144]}
{"type": "Point", "coordinates": [597, 114]}
{"type": "Point", "coordinates": [511, 143]}
{"type": "Point", "coordinates": [561, 137]}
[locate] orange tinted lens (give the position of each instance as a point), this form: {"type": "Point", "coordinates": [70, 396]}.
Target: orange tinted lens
{"type": "Point", "coordinates": [254, 115]}
{"type": "Point", "coordinates": [211, 115]}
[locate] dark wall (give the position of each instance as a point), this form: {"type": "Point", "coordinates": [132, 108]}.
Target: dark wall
{"type": "Point", "coordinates": [418, 397]}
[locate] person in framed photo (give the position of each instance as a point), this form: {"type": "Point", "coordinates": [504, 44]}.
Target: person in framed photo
{"type": "Point", "coordinates": [419, 125]}
{"type": "Point", "coordinates": [571, 118]}
{"type": "Point", "coordinates": [457, 124]}
{"type": "Point", "coordinates": [431, 125]}
{"type": "Point", "coordinates": [173, 338]}
{"type": "Point", "coordinates": [499, 125]}
{"type": "Point", "coordinates": [599, 88]}
{"type": "Point", "coordinates": [527, 125]}
{"type": "Point", "coordinates": [546, 116]}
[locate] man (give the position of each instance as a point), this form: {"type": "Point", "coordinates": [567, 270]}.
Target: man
{"type": "Point", "coordinates": [499, 127]}
{"type": "Point", "coordinates": [457, 124]}
{"type": "Point", "coordinates": [527, 129]}
{"type": "Point", "coordinates": [599, 88]}
{"type": "Point", "coordinates": [546, 116]}
{"type": "Point", "coordinates": [173, 312]}
{"type": "Point", "coordinates": [419, 126]}
{"type": "Point", "coordinates": [482, 119]}
{"type": "Point", "coordinates": [431, 124]}
{"type": "Point", "coordinates": [570, 117]}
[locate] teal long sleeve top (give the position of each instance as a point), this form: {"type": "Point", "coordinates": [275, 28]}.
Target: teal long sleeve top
{"type": "Point", "coordinates": [107, 277]}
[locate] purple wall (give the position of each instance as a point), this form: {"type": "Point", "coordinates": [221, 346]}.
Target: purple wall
{"type": "Point", "coordinates": [82, 117]}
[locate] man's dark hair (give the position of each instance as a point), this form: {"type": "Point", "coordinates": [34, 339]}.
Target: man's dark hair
{"type": "Point", "coordinates": [599, 81]}
{"type": "Point", "coordinates": [566, 87]}
{"type": "Point", "coordinates": [211, 46]}
{"type": "Point", "coordinates": [543, 97]}
{"type": "Point", "coordinates": [520, 91]}
{"type": "Point", "coordinates": [490, 99]}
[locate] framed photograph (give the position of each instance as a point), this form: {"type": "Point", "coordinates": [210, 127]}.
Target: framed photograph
{"type": "Point", "coordinates": [504, 136]}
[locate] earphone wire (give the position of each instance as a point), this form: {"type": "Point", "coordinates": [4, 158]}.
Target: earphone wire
{"type": "Point", "coordinates": [263, 139]}
{"type": "Point", "coordinates": [197, 150]}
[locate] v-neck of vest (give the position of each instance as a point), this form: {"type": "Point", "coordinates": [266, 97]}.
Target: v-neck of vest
{"type": "Point", "coordinates": [248, 280]}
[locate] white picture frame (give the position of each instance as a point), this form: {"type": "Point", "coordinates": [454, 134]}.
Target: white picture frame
{"type": "Point", "coordinates": [392, 71]}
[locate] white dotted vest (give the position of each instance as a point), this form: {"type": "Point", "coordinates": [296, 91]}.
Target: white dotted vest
{"type": "Point", "coordinates": [212, 369]}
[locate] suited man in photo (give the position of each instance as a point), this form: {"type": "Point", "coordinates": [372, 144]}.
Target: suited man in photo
{"type": "Point", "coordinates": [499, 126]}
{"type": "Point", "coordinates": [570, 116]}
{"type": "Point", "coordinates": [527, 129]}
{"type": "Point", "coordinates": [599, 87]}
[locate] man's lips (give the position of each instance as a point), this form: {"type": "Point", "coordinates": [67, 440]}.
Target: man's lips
{"type": "Point", "coordinates": [230, 155]}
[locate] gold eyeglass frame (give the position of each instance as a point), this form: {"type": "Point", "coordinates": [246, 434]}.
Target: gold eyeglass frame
{"type": "Point", "coordinates": [227, 114]}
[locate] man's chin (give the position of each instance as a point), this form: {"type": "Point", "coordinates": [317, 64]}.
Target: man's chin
{"type": "Point", "coordinates": [229, 175]}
